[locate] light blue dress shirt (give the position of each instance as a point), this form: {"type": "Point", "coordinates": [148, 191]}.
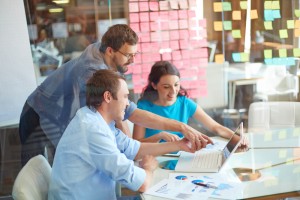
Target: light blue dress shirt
{"type": "Point", "coordinates": [182, 110]}
{"type": "Point", "coordinates": [58, 98]}
{"type": "Point", "coordinates": [91, 157]}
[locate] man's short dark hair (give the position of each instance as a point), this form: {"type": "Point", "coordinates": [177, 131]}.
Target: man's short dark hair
{"type": "Point", "coordinates": [102, 80]}
{"type": "Point", "coordinates": [116, 36]}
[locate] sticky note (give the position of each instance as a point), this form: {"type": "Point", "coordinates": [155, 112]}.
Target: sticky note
{"type": "Point", "coordinates": [297, 12]}
{"type": "Point", "coordinates": [218, 7]}
{"type": "Point", "coordinates": [227, 25]}
{"type": "Point", "coordinates": [296, 132]}
{"type": "Point", "coordinates": [218, 25]}
{"type": "Point", "coordinates": [268, 25]}
{"type": "Point", "coordinates": [282, 153]}
{"type": "Point", "coordinates": [283, 33]}
{"type": "Point", "coordinates": [282, 135]}
{"type": "Point", "coordinates": [153, 5]}
{"type": "Point", "coordinates": [275, 5]}
{"type": "Point", "coordinates": [183, 4]}
{"type": "Point", "coordinates": [268, 61]}
{"type": "Point", "coordinates": [268, 53]}
{"type": "Point", "coordinates": [236, 15]}
{"type": "Point", "coordinates": [236, 33]}
{"type": "Point", "coordinates": [243, 5]}
{"type": "Point", "coordinates": [268, 5]}
{"type": "Point", "coordinates": [253, 14]}
{"type": "Point", "coordinates": [236, 57]}
{"type": "Point", "coordinates": [296, 52]}
{"type": "Point", "coordinates": [297, 32]}
{"type": "Point", "coordinates": [226, 6]}
{"type": "Point", "coordinates": [282, 53]}
{"type": "Point", "coordinates": [219, 58]}
{"type": "Point", "coordinates": [268, 15]}
{"type": "Point", "coordinates": [276, 14]}
{"type": "Point", "coordinates": [174, 5]}
{"type": "Point", "coordinates": [245, 57]}
{"type": "Point", "coordinates": [290, 24]}
{"type": "Point", "coordinates": [144, 6]}
{"type": "Point", "coordinates": [133, 7]}
{"type": "Point", "coordinates": [268, 136]}
{"type": "Point", "coordinates": [297, 23]}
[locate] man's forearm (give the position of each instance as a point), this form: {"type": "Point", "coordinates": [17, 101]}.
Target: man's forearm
{"type": "Point", "coordinates": [157, 149]}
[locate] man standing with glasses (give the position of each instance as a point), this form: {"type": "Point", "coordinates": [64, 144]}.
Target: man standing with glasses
{"type": "Point", "coordinates": [50, 108]}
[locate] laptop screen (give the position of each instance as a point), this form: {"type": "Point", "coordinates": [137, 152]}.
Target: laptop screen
{"type": "Point", "coordinates": [233, 144]}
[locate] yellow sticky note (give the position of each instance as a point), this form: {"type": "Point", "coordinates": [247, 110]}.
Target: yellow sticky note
{"type": "Point", "coordinates": [282, 53]}
{"type": "Point", "coordinates": [297, 32]}
{"type": "Point", "coordinates": [268, 135]}
{"type": "Point", "coordinates": [297, 12]}
{"type": "Point", "coordinates": [218, 7]}
{"type": "Point", "coordinates": [268, 5]}
{"type": "Point", "coordinates": [245, 57]}
{"type": "Point", "coordinates": [296, 132]}
{"type": "Point", "coordinates": [282, 134]}
{"type": "Point", "coordinates": [268, 25]}
{"type": "Point", "coordinates": [236, 33]}
{"type": "Point", "coordinates": [236, 15]}
{"type": "Point", "coordinates": [218, 25]}
{"type": "Point", "coordinates": [275, 5]}
{"type": "Point", "coordinates": [226, 6]}
{"type": "Point", "coordinates": [243, 5]}
{"type": "Point", "coordinates": [296, 52]}
{"type": "Point", "coordinates": [253, 14]}
{"type": "Point", "coordinates": [283, 33]}
{"type": "Point", "coordinates": [219, 58]}
{"type": "Point", "coordinates": [290, 24]}
{"type": "Point", "coordinates": [282, 153]}
{"type": "Point", "coordinates": [268, 53]}
{"type": "Point", "coordinates": [297, 23]}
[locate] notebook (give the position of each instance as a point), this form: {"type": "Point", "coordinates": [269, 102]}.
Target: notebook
{"type": "Point", "coordinates": [208, 160]}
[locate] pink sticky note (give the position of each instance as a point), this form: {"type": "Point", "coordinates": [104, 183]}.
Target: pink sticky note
{"type": "Point", "coordinates": [202, 23]}
{"type": "Point", "coordinates": [145, 37]}
{"type": "Point", "coordinates": [164, 15]}
{"type": "Point", "coordinates": [155, 46]}
{"type": "Point", "coordinates": [193, 33]}
{"type": "Point", "coordinates": [133, 7]}
{"type": "Point", "coordinates": [165, 45]}
{"type": "Point", "coordinates": [164, 25]}
{"type": "Point", "coordinates": [203, 62]}
{"type": "Point", "coordinates": [146, 67]}
{"type": "Point", "coordinates": [178, 64]}
{"type": "Point", "coordinates": [137, 69]}
{"type": "Point", "coordinates": [183, 4]}
{"type": "Point", "coordinates": [144, 16]}
{"type": "Point", "coordinates": [174, 34]}
{"type": "Point", "coordinates": [174, 5]}
{"type": "Point", "coordinates": [134, 17]}
{"type": "Point", "coordinates": [192, 3]}
{"type": "Point", "coordinates": [173, 24]}
{"type": "Point", "coordinates": [135, 27]}
{"type": "Point", "coordinates": [202, 33]}
{"type": "Point", "coordinates": [164, 5]}
{"type": "Point", "coordinates": [166, 56]}
{"type": "Point", "coordinates": [193, 23]}
{"type": "Point", "coordinates": [146, 57]}
{"type": "Point", "coordinates": [144, 6]}
{"type": "Point", "coordinates": [184, 34]}
{"type": "Point", "coordinates": [138, 59]}
{"type": "Point", "coordinates": [185, 54]}
{"type": "Point", "coordinates": [191, 14]}
{"type": "Point", "coordinates": [183, 24]}
{"type": "Point", "coordinates": [153, 26]}
{"type": "Point", "coordinates": [176, 55]}
{"type": "Point", "coordinates": [184, 44]}
{"type": "Point", "coordinates": [173, 15]}
{"type": "Point", "coordinates": [165, 35]}
{"type": "Point", "coordinates": [146, 47]}
{"type": "Point", "coordinates": [182, 14]}
{"type": "Point", "coordinates": [185, 63]}
{"type": "Point", "coordinates": [154, 16]}
{"type": "Point", "coordinates": [201, 72]}
{"type": "Point", "coordinates": [155, 57]}
{"type": "Point", "coordinates": [174, 45]}
{"type": "Point", "coordinates": [153, 5]}
{"type": "Point", "coordinates": [155, 37]}
{"type": "Point", "coordinates": [144, 26]}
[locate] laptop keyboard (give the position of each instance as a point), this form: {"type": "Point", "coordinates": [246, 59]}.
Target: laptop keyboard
{"type": "Point", "coordinates": [205, 160]}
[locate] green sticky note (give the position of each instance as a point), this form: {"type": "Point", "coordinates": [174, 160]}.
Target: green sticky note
{"type": "Point", "coordinates": [282, 53]}
{"type": "Point", "coordinates": [297, 12]}
{"type": "Point", "coordinates": [226, 6]}
{"type": "Point", "coordinates": [268, 5]}
{"type": "Point", "coordinates": [290, 24]}
{"type": "Point", "coordinates": [296, 52]}
{"type": "Point", "coordinates": [245, 57]}
{"type": "Point", "coordinates": [283, 33]}
{"type": "Point", "coordinates": [268, 53]}
{"type": "Point", "coordinates": [236, 33]}
{"type": "Point", "coordinates": [243, 5]}
{"type": "Point", "coordinates": [268, 25]}
{"type": "Point", "coordinates": [227, 25]}
{"type": "Point", "coordinates": [275, 5]}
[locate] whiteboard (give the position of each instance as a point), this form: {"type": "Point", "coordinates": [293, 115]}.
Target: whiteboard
{"type": "Point", "coordinates": [17, 76]}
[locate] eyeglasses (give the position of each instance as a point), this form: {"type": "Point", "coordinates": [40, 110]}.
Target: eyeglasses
{"type": "Point", "coordinates": [128, 55]}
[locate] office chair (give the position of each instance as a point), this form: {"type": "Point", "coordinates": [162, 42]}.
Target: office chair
{"type": "Point", "coordinates": [271, 115]}
{"type": "Point", "coordinates": [33, 180]}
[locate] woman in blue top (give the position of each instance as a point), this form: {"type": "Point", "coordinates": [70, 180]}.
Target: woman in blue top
{"type": "Point", "coordinates": [164, 96]}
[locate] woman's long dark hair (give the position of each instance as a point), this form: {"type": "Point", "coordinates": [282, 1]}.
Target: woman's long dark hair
{"type": "Point", "coordinates": [158, 70]}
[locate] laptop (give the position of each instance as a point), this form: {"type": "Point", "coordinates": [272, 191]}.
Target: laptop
{"type": "Point", "coordinates": [209, 160]}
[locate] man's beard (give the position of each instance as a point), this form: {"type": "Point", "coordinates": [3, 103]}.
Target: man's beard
{"type": "Point", "coordinates": [122, 69]}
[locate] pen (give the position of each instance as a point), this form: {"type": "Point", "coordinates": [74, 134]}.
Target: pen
{"type": "Point", "coordinates": [206, 185]}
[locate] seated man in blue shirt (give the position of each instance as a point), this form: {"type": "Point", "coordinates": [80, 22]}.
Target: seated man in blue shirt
{"type": "Point", "coordinates": [93, 154]}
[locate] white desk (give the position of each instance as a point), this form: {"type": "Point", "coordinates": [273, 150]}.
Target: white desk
{"type": "Point", "coordinates": [280, 176]}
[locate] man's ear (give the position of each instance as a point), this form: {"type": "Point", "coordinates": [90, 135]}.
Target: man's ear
{"type": "Point", "coordinates": [107, 96]}
{"type": "Point", "coordinates": [153, 85]}
{"type": "Point", "coordinates": [109, 51]}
